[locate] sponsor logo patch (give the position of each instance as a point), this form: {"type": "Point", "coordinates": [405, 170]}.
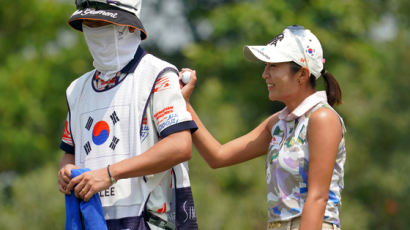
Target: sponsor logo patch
{"type": "Point", "coordinates": [144, 130]}
{"type": "Point", "coordinates": [261, 52]}
{"type": "Point", "coordinates": [276, 39]}
{"type": "Point", "coordinates": [161, 115]}
{"type": "Point", "coordinates": [162, 84]}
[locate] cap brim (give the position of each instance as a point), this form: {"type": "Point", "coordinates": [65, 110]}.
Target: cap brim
{"type": "Point", "coordinates": [266, 54]}
{"type": "Point", "coordinates": [118, 17]}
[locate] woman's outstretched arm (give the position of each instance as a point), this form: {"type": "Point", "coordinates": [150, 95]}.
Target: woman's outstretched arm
{"type": "Point", "coordinates": [244, 148]}
{"type": "Point", "coordinates": [241, 149]}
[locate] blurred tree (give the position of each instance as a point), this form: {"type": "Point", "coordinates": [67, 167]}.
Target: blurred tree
{"type": "Point", "coordinates": [36, 204]}
{"type": "Point", "coordinates": [39, 59]}
{"type": "Point", "coordinates": [365, 44]}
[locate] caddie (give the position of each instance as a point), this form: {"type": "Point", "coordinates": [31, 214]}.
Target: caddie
{"type": "Point", "coordinates": [127, 121]}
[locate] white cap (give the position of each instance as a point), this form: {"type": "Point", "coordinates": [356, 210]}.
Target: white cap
{"type": "Point", "coordinates": [295, 44]}
{"type": "Point", "coordinates": [132, 6]}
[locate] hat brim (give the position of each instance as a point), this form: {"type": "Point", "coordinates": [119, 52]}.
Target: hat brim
{"type": "Point", "coordinates": [115, 16]}
{"type": "Point", "coordinates": [266, 54]}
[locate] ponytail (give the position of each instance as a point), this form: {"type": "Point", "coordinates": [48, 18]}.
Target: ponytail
{"type": "Point", "coordinates": [333, 91]}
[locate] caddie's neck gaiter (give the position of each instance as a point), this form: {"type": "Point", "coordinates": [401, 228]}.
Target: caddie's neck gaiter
{"type": "Point", "coordinates": [112, 47]}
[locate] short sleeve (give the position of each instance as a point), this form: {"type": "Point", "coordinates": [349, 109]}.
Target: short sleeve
{"type": "Point", "coordinates": [66, 141]}
{"type": "Point", "coordinates": [168, 106]}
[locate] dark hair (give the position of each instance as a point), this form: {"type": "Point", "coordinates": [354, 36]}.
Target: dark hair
{"type": "Point", "coordinates": [333, 91]}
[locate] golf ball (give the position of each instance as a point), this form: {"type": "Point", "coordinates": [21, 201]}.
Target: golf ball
{"type": "Point", "coordinates": [186, 76]}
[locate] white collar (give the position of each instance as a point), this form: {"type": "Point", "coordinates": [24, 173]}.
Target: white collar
{"type": "Point", "coordinates": [303, 107]}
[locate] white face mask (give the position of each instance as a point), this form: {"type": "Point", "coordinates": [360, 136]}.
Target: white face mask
{"type": "Point", "coordinates": [112, 47]}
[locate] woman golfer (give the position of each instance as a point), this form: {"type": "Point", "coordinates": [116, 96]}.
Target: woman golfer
{"type": "Point", "coordinates": [304, 142]}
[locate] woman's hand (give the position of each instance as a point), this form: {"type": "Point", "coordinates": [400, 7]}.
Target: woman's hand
{"type": "Point", "coordinates": [64, 177]}
{"type": "Point", "coordinates": [188, 88]}
{"type": "Point", "coordinates": [89, 183]}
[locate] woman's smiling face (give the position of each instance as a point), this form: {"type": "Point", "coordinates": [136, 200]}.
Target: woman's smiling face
{"type": "Point", "coordinates": [280, 80]}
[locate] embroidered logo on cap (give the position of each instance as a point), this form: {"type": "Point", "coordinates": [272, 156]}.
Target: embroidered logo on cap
{"type": "Point", "coordinates": [261, 52]}
{"type": "Point", "coordinates": [277, 39]}
{"type": "Point", "coordinates": [95, 12]}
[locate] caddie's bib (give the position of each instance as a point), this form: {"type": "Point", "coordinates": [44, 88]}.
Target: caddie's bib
{"type": "Point", "coordinates": [105, 128]}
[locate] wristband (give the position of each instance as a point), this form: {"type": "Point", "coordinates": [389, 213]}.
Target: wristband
{"type": "Point", "coordinates": [113, 180]}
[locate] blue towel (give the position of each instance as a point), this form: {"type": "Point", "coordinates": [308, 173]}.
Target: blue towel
{"type": "Point", "coordinates": [91, 211]}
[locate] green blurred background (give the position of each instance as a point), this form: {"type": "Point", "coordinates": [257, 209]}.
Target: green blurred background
{"type": "Point", "coordinates": [366, 45]}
